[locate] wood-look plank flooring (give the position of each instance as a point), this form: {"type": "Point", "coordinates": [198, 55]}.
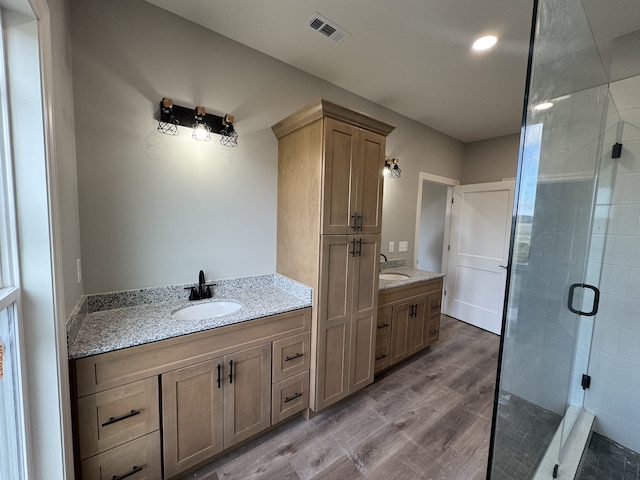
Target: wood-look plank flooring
{"type": "Point", "coordinates": [429, 418]}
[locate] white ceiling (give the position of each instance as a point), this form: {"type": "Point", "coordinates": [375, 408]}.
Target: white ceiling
{"type": "Point", "coordinates": [411, 56]}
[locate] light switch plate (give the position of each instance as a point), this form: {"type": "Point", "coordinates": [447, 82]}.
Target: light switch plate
{"type": "Point", "coordinates": [403, 246]}
{"type": "Point", "coordinates": [392, 247]}
{"type": "Point", "coordinates": [79, 270]}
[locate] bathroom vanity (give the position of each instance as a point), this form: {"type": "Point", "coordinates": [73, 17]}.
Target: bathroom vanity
{"type": "Point", "coordinates": [408, 314]}
{"type": "Point", "coordinates": [160, 408]}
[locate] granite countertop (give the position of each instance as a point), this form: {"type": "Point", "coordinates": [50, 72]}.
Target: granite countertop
{"type": "Point", "coordinates": [413, 276]}
{"type": "Point", "coordinates": [124, 319]}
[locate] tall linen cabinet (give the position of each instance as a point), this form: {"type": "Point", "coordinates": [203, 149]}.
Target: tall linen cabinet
{"type": "Point", "coordinates": [330, 162]}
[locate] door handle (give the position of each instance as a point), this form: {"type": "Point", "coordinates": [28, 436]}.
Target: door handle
{"type": "Point", "coordinates": [353, 247]}
{"type": "Point", "coordinates": [360, 247]}
{"type": "Point", "coordinates": [230, 371]}
{"type": "Point", "coordinates": [361, 218]}
{"type": "Point", "coordinates": [596, 299]}
{"type": "Point", "coordinates": [219, 380]}
{"type": "Point", "coordinates": [504, 266]}
{"type": "Point", "coordinates": [354, 218]}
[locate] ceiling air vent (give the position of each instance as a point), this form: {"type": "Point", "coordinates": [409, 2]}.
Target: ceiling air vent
{"type": "Point", "coordinates": [328, 28]}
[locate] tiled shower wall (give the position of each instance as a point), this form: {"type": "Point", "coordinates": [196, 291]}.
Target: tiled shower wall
{"type": "Point", "coordinates": [614, 396]}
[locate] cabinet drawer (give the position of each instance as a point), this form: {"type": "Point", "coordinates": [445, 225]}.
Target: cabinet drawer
{"type": "Point", "coordinates": [115, 416]}
{"type": "Point", "coordinates": [290, 356]}
{"type": "Point", "coordinates": [383, 324]}
{"type": "Point", "coordinates": [382, 355]}
{"type": "Point", "coordinates": [289, 397]}
{"type": "Point", "coordinates": [433, 331]}
{"type": "Point", "coordinates": [136, 460]}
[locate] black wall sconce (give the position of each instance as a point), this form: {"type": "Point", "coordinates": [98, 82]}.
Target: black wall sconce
{"type": "Point", "coordinates": [391, 168]}
{"type": "Point", "coordinates": [203, 123]}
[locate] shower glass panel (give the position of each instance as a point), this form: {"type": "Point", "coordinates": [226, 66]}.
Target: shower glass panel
{"type": "Point", "coordinates": [569, 128]}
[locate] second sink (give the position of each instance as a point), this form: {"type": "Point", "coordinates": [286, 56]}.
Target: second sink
{"type": "Point", "coordinates": [206, 310]}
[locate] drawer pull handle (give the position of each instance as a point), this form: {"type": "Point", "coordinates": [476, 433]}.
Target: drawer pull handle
{"type": "Point", "coordinates": [112, 420]}
{"type": "Point", "coordinates": [297, 355]}
{"type": "Point", "coordinates": [288, 399]}
{"type": "Point", "coordinates": [133, 471]}
{"type": "Point", "coordinates": [383, 325]}
{"type": "Point", "coordinates": [380, 357]}
{"type": "Point", "coordinates": [230, 371]}
{"type": "Point", "coordinates": [219, 379]}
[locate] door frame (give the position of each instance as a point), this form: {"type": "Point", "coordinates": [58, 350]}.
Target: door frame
{"type": "Point", "coordinates": [449, 183]}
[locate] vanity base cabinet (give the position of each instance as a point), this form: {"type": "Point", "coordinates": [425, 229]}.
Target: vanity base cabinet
{"type": "Point", "coordinates": [412, 313]}
{"type": "Point", "coordinates": [209, 391]}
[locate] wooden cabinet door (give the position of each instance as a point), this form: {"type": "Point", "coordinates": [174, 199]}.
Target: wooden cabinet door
{"type": "Point", "coordinates": [340, 178]}
{"type": "Point", "coordinates": [247, 393]}
{"type": "Point", "coordinates": [192, 415]}
{"type": "Point", "coordinates": [364, 311]}
{"type": "Point", "coordinates": [335, 294]}
{"type": "Point", "coordinates": [417, 334]}
{"type": "Point", "coordinates": [371, 152]}
{"type": "Point", "coordinates": [400, 332]}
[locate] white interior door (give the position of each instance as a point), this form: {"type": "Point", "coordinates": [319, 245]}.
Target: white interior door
{"type": "Point", "coordinates": [478, 253]}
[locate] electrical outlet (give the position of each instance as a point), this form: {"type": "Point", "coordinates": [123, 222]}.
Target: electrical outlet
{"type": "Point", "coordinates": [392, 247]}
{"type": "Point", "coordinates": [79, 270]}
{"type": "Point", "coordinates": [403, 246]}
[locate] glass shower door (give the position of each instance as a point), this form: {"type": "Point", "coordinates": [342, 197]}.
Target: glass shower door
{"type": "Point", "coordinates": [554, 269]}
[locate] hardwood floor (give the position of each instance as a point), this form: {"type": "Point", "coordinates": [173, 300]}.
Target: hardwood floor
{"type": "Point", "coordinates": [429, 418]}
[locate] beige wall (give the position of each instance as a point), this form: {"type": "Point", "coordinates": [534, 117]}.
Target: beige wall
{"type": "Point", "coordinates": [491, 160]}
{"type": "Point", "coordinates": [156, 209]}
{"type": "Point", "coordinates": [64, 129]}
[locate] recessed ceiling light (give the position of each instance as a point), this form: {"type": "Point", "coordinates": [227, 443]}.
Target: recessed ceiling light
{"type": "Point", "coordinates": [484, 43]}
{"type": "Point", "coordinates": [543, 106]}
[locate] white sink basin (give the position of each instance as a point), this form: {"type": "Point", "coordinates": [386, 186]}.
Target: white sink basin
{"type": "Point", "coordinates": [206, 310]}
{"type": "Point", "coordinates": [393, 276]}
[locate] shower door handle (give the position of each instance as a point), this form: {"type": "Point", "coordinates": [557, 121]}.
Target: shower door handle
{"type": "Point", "coordinates": [596, 299]}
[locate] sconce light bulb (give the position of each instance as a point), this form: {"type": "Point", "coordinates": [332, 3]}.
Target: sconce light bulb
{"type": "Point", "coordinates": [201, 132]}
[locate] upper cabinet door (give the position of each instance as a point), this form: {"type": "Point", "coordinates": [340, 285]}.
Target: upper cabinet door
{"type": "Point", "coordinates": [353, 162]}
{"type": "Point", "coordinates": [371, 148]}
{"type": "Point", "coordinates": [340, 178]}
